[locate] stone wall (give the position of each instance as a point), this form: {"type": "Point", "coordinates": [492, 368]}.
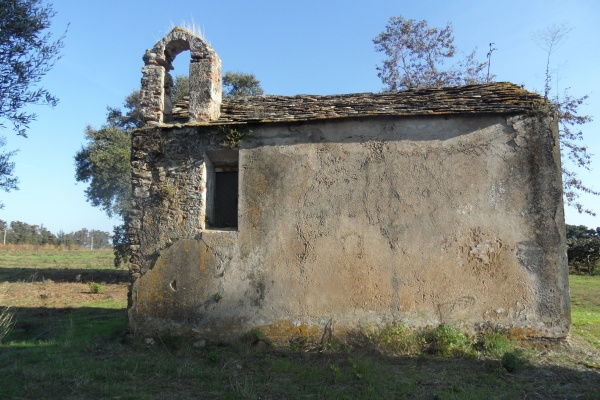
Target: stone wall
{"type": "Point", "coordinates": [205, 78]}
{"type": "Point", "coordinates": [353, 222]}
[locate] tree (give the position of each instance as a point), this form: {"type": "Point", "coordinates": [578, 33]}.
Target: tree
{"type": "Point", "coordinates": [181, 88]}
{"type": "Point", "coordinates": [416, 56]}
{"type": "Point", "coordinates": [101, 239]}
{"type": "Point", "coordinates": [239, 84]}
{"type": "Point", "coordinates": [23, 233]}
{"type": "Point", "coordinates": [104, 164]}
{"type": "Point", "coordinates": [8, 181]}
{"type": "Point", "coordinates": [132, 118]}
{"type": "Point", "coordinates": [569, 119]}
{"type": "Point", "coordinates": [27, 53]}
{"type": "Point", "coordinates": [583, 248]}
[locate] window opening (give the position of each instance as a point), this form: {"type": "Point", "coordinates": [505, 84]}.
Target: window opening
{"type": "Point", "coordinates": [222, 189]}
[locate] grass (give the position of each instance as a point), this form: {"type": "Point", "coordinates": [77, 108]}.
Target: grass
{"type": "Point", "coordinates": [75, 348]}
{"type": "Point", "coordinates": [31, 258]}
{"type": "Point", "coordinates": [585, 303]}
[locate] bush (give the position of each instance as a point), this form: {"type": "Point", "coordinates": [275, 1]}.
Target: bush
{"type": "Point", "coordinates": [512, 361]}
{"type": "Point", "coordinates": [447, 341]}
{"type": "Point", "coordinates": [397, 338]}
{"type": "Point", "coordinates": [96, 287]}
{"type": "Point", "coordinates": [494, 343]}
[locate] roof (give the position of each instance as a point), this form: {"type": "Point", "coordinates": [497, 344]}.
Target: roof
{"type": "Point", "coordinates": [497, 97]}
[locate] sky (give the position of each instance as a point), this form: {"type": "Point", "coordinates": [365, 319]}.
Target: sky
{"type": "Point", "coordinates": [293, 47]}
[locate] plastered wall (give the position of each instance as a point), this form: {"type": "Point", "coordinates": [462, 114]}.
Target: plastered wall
{"type": "Point", "coordinates": [353, 223]}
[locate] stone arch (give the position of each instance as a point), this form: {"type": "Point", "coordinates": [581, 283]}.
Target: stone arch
{"type": "Point", "coordinates": [205, 78]}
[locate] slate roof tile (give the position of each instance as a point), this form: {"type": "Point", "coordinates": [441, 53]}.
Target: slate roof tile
{"type": "Point", "coordinates": [497, 97]}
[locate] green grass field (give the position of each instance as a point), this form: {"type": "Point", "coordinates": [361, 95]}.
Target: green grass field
{"type": "Point", "coordinates": [585, 308]}
{"type": "Point", "coordinates": [69, 342]}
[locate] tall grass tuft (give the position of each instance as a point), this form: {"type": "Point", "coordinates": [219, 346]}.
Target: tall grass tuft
{"type": "Point", "coordinates": [6, 322]}
{"type": "Point", "coordinates": [446, 341]}
{"type": "Point", "coordinates": [396, 338]}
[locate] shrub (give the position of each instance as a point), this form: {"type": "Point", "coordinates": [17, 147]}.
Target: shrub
{"type": "Point", "coordinates": [493, 342]}
{"type": "Point", "coordinates": [397, 338]}
{"type": "Point", "coordinates": [96, 287]}
{"type": "Point", "coordinates": [447, 341]}
{"type": "Point", "coordinates": [512, 361]}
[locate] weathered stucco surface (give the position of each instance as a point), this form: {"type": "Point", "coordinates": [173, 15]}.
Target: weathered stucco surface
{"type": "Point", "coordinates": [353, 222]}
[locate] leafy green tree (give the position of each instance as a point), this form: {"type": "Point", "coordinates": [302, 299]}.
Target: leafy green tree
{"type": "Point", "coordinates": [419, 56]}
{"type": "Point", "coordinates": [27, 53]}
{"type": "Point", "coordinates": [181, 88]}
{"type": "Point", "coordinates": [83, 237]}
{"type": "Point", "coordinates": [132, 118]}
{"type": "Point", "coordinates": [45, 236]}
{"type": "Point", "coordinates": [21, 233]}
{"type": "Point", "coordinates": [583, 248]}
{"type": "Point", "coordinates": [239, 84]}
{"type": "Point", "coordinates": [101, 239]}
{"type": "Point", "coordinates": [8, 181]}
{"type": "Point", "coordinates": [64, 239]}
{"type": "Point", "coordinates": [103, 163]}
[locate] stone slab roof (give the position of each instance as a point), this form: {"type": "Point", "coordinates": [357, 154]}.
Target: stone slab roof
{"type": "Point", "coordinates": [497, 97]}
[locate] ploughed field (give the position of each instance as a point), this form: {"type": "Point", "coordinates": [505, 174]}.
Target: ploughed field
{"type": "Point", "coordinates": [68, 341]}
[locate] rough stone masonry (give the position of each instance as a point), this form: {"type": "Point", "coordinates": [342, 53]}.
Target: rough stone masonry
{"type": "Point", "coordinates": [297, 214]}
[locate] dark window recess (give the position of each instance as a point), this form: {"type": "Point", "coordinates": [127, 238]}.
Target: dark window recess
{"type": "Point", "coordinates": [225, 208]}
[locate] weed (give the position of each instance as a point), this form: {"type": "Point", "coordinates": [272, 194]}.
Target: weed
{"type": "Point", "coordinates": [213, 357]}
{"type": "Point", "coordinates": [337, 372]}
{"type": "Point", "coordinates": [96, 287]}
{"type": "Point", "coordinates": [447, 341]}
{"type": "Point", "coordinates": [397, 338]}
{"type": "Point", "coordinates": [6, 322]}
{"type": "Point", "coordinates": [333, 344]}
{"type": "Point", "coordinates": [172, 341]}
{"type": "Point", "coordinates": [165, 192]}
{"type": "Point", "coordinates": [233, 137]}
{"type": "Point", "coordinates": [512, 361]}
{"type": "Point", "coordinates": [69, 334]}
{"type": "Point", "coordinates": [217, 297]}
{"type": "Point", "coordinates": [254, 338]}
{"type": "Point", "coordinates": [493, 342]}
{"type": "Point", "coordinates": [244, 387]}
{"type": "Point", "coordinates": [358, 368]}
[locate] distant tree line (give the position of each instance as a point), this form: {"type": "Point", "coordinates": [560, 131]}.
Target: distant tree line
{"type": "Point", "coordinates": [22, 233]}
{"type": "Point", "coordinates": [583, 249]}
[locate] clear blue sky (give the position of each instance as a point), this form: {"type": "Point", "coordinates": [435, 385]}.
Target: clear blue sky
{"type": "Point", "coordinates": [293, 47]}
